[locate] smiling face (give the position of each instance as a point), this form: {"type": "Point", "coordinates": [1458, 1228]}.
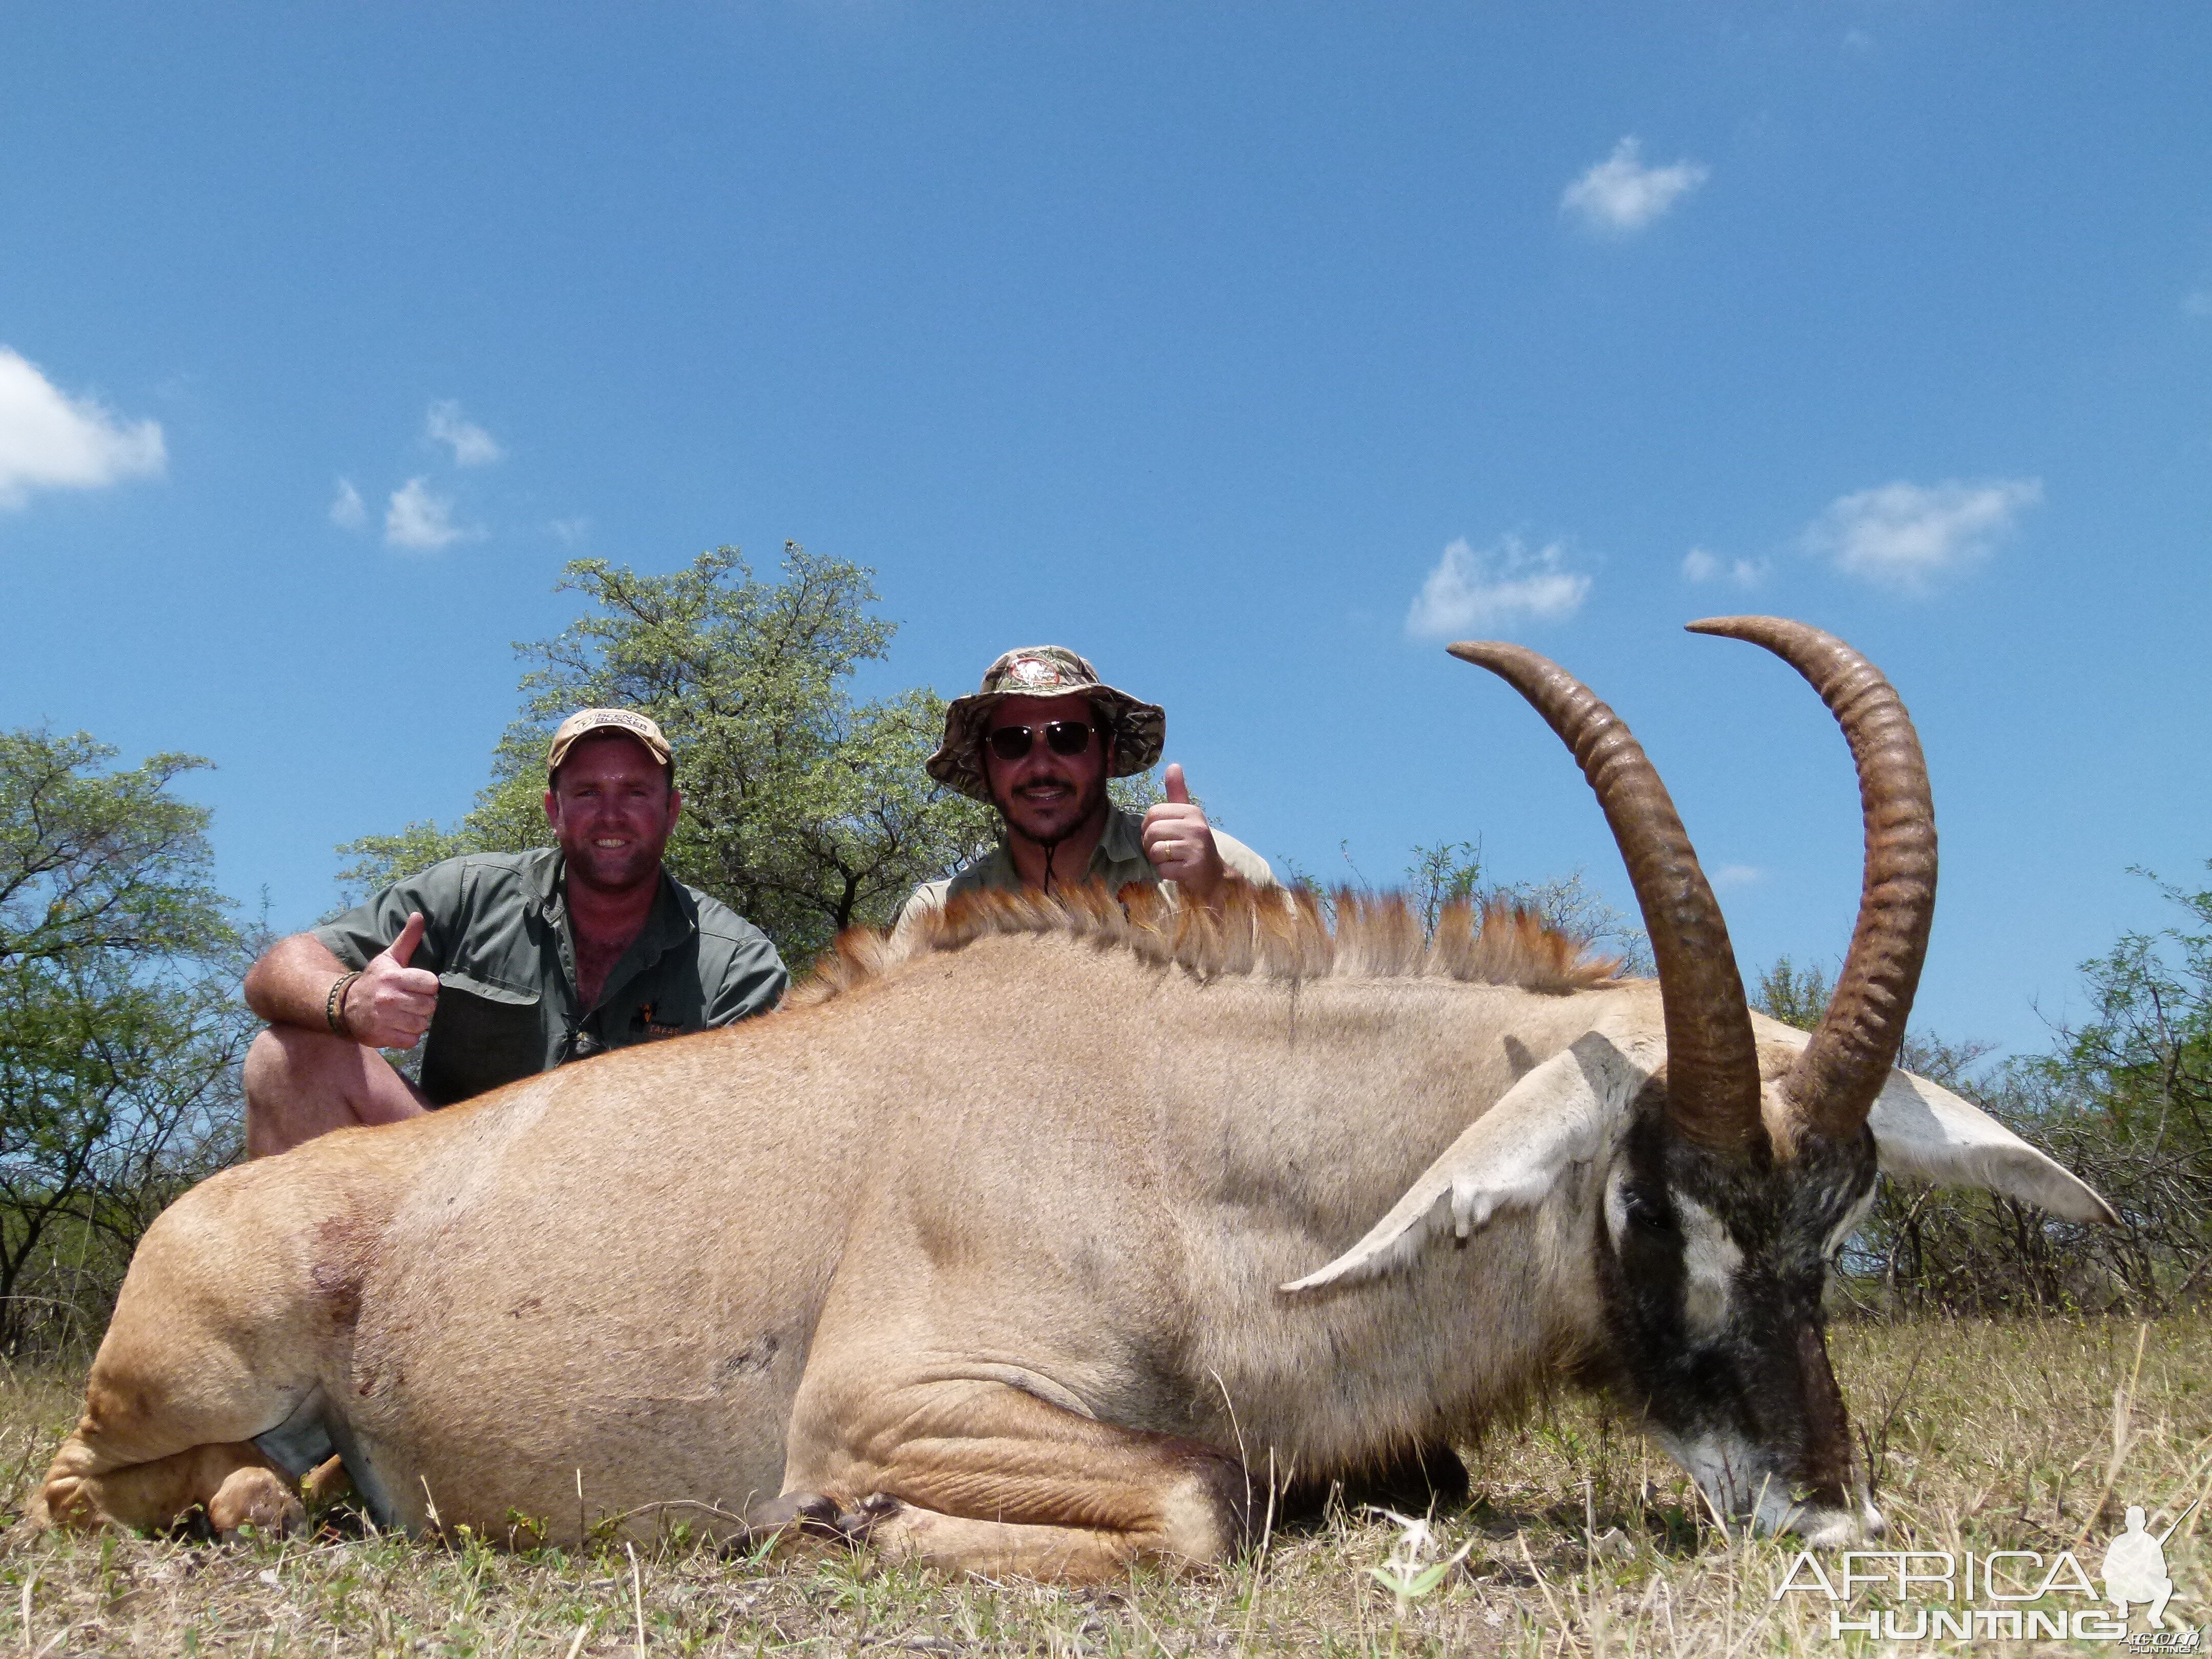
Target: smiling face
{"type": "Point", "coordinates": [1044, 796]}
{"type": "Point", "coordinates": [611, 809]}
{"type": "Point", "coordinates": [1713, 1269]}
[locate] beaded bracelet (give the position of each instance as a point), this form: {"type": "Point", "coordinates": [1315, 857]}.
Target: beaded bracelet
{"type": "Point", "coordinates": [334, 1004]}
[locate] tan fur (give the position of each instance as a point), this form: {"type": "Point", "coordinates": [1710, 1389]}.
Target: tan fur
{"type": "Point", "coordinates": [991, 1231]}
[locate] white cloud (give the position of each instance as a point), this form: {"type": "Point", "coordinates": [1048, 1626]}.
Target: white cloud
{"type": "Point", "coordinates": [2197, 303]}
{"type": "Point", "coordinates": [1737, 875]}
{"type": "Point", "coordinates": [570, 533]}
{"type": "Point", "coordinates": [348, 510]}
{"type": "Point", "coordinates": [1621, 194]}
{"type": "Point", "coordinates": [1469, 589]}
{"type": "Point", "coordinates": [471, 444]}
{"type": "Point", "coordinates": [417, 518]}
{"type": "Point", "coordinates": [50, 441]}
{"type": "Point", "coordinates": [1699, 566]}
{"type": "Point", "coordinates": [1905, 535]}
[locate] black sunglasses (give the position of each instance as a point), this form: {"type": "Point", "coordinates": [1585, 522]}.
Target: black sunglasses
{"type": "Point", "coordinates": [1010, 742]}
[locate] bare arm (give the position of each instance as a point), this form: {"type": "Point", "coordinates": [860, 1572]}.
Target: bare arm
{"type": "Point", "coordinates": [389, 1006]}
{"type": "Point", "coordinates": [288, 984]}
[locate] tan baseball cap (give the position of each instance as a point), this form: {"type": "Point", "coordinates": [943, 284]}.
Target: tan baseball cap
{"type": "Point", "coordinates": [586, 721]}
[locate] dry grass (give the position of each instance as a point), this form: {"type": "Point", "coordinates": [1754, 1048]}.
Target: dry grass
{"type": "Point", "coordinates": [1585, 1540]}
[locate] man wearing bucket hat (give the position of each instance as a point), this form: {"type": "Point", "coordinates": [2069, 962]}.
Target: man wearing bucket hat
{"type": "Point", "coordinates": [1039, 741]}
{"type": "Point", "coordinates": [511, 963]}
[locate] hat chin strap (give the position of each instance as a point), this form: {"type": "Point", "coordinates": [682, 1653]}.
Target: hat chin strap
{"type": "Point", "coordinates": [1052, 847]}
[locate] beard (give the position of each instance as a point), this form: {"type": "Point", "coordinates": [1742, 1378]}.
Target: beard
{"type": "Point", "coordinates": [1049, 824]}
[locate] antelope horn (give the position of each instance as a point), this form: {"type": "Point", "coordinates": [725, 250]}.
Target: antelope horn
{"type": "Point", "coordinates": [1835, 1080]}
{"type": "Point", "coordinates": [1712, 1061]}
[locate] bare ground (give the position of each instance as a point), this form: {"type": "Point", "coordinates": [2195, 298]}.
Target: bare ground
{"type": "Point", "coordinates": [1583, 1539]}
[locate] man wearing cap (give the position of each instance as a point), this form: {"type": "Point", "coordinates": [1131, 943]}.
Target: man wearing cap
{"type": "Point", "coordinates": [512, 963]}
{"type": "Point", "coordinates": [1039, 741]}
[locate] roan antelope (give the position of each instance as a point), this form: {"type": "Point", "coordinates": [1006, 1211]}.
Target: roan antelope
{"type": "Point", "coordinates": [1003, 1249]}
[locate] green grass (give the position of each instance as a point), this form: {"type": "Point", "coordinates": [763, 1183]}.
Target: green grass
{"type": "Point", "coordinates": [1585, 1539]}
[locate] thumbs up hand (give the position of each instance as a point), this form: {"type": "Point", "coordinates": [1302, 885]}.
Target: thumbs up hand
{"type": "Point", "coordinates": [1180, 842]}
{"type": "Point", "coordinates": [390, 1006]}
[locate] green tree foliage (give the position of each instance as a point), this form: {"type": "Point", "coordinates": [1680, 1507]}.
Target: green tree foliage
{"type": "Point", "coordinates": [2124, 1100]}
{"type": "Point", "coordinates": [1569, 905]}
{"type": "Point", "coordinates": [120, 1031]}
{"type": "Point", "coordinates": [1796, 996]}
{"type": "Point", "coordinates": [2145, 1056]}
{"type": "Point", "coordinates": [806, 810]}
{"type": "Point", "coordinates": [1442, 873]}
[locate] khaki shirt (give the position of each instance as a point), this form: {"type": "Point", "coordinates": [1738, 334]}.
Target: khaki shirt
{"type": "Point", "coordinates": [1118, 860]}
{"type": "Point", "coordinates": [496, 933]}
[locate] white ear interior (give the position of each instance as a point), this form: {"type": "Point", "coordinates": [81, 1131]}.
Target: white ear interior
{"type": "Point", "coordinates": [1512, 1156]}
{"type": "Point", "coordinates": [1926, 1133]}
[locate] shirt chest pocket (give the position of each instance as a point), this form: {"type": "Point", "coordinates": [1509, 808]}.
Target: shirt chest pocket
{"type": "Point", "coordinates": [486, 1032]}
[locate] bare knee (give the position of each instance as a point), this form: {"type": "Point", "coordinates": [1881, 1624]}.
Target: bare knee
{"type": "Point", "coordinates": [301, 1084]}
{"type": "Point", "coordinates": [281, 1092]}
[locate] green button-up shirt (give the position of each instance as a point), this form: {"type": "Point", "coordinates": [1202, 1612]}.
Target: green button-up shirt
{"type": "Point", "coordinates": [1118, 860]}
{"type": "Point", "coordinates": [495, 932]}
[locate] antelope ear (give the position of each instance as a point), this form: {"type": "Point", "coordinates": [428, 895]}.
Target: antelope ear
{"type": "Point", "coordinates": [1925, 1133]}
{"type": "Point", "coordinates": [1561, 1113]}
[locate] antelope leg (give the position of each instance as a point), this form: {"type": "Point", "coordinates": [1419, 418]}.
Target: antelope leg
{"type": "Point", "coordinates": [234, 1483]}
{"type": "Point", "coordinates": [982, 1477]}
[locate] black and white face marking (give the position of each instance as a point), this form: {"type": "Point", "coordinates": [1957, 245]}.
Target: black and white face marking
{"type": "Point", "coordinates": [1712, 1268]}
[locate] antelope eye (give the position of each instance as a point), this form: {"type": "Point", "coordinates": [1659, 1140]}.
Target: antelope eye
{"type": "Point", "coordinates": [1650, 1214]}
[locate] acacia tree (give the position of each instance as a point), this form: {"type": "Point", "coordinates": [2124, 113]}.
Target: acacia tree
{"type": "Point", "coordinates": [2125, 1100]}
{"type": "Point", "coordinates": [2128, 1094]}
{"type": "Point", "coordinates": [806, 811]}
{"type": "Point", "coordinates": [120, 1031]}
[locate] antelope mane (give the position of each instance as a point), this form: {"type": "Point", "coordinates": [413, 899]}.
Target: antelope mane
{"type": "Point", "coordinates": [1270, 933]}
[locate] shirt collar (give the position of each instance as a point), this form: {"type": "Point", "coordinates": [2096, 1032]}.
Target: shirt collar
{"type": "Point", "coordinates": [1120, 841]}
{"type": "Point", "coordinates": [673, 919]}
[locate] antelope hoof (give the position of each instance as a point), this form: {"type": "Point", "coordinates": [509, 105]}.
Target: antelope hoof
{"type": "Point", "coordinates": [855, 1524]}
{"type": "Point", "coordinates": [52, 1504]}
{"type": "Point", "coordinates": [326, 1483]}
{"type": "Point", "coordinates": [795, 1512]}
{"type": "Point", "coordinates": [257, 1498]}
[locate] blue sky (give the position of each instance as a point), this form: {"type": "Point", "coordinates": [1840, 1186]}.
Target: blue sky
{"type": "Point", "coordinates": [1251, 350]}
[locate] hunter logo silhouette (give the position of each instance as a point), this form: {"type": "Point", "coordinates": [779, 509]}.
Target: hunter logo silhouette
{"type": "Point", "coordinates": [2134, 1567]}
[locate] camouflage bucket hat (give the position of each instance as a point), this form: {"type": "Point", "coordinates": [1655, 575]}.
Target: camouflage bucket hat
{"type": "Point", "coordinates": [1138, 729]}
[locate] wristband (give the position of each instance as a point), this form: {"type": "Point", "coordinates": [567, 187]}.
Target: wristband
{"type": "Point", "coordinates": [334, 1004]}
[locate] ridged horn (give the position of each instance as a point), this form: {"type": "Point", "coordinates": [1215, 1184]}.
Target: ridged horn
{"type": "Point", "coordinates": [1712, 1062]}
{"type": "Point", "coordinates": [1833, 1084]}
